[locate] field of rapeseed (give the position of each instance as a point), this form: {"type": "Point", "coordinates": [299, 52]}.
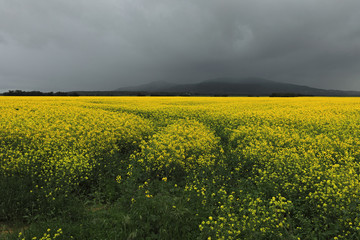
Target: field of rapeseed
{"type": "Point", "coordinates": [179, 168]}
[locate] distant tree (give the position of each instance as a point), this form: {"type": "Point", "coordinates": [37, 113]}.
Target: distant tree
{"type": "Point", "coordinates": [38, 93]}
{"type": "Point", "coordinates": [284, 95]}
{"type": "Point", "coordinates": [73, 94]}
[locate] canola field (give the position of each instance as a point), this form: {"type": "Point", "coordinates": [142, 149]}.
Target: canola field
{"type": "Point", "coordinates": [180, 168]}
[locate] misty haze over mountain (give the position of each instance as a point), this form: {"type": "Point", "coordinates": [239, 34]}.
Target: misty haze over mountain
{"type": "Point", "coordinates": [236, 86]}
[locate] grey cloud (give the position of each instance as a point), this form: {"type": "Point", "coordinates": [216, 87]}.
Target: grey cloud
{"type": "Point", "coordinates": [103, 45]}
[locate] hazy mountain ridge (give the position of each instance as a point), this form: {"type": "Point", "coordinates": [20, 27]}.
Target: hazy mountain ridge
{"type": "Point", "coordinates": [237, 86]}
{"type": "Point", "coordinates": [210, 87]}
{"type": "Point", "coordinates": [149, 87]}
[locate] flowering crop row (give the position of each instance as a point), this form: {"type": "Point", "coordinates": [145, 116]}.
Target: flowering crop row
{"type": "Point", "coordinates": [247, 168]}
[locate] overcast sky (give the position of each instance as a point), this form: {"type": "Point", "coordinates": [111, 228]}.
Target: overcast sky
{"type": "Point", "coordinates": [61, 45]}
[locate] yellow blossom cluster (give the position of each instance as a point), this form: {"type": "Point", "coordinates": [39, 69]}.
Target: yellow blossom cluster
{"type": "Point", "coordinates": [182, 146]}
{"type": "Point", "coordinates": [59, 142]}
{"type": "Point", "coordinates": [249, 168]}
{"type": "Point", "coordinates": [46, 236]}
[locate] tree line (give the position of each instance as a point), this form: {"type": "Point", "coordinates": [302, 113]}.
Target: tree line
{"type": "Point", "coordinates": [38, 93]}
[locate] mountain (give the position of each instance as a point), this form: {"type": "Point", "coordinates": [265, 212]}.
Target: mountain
{"type": "Point", "coordinates": [237, 86]}
{"type": "Point", "coordinates": [156, 86]}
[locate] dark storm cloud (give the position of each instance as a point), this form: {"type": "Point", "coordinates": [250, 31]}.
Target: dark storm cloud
{"type": "Point", "coordinates": [103, 45]}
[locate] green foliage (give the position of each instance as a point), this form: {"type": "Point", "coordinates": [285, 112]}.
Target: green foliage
{"type": "Point", "coordinates": [177, 149]}
{"type": "Point", "coordinates": [179, 168]}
